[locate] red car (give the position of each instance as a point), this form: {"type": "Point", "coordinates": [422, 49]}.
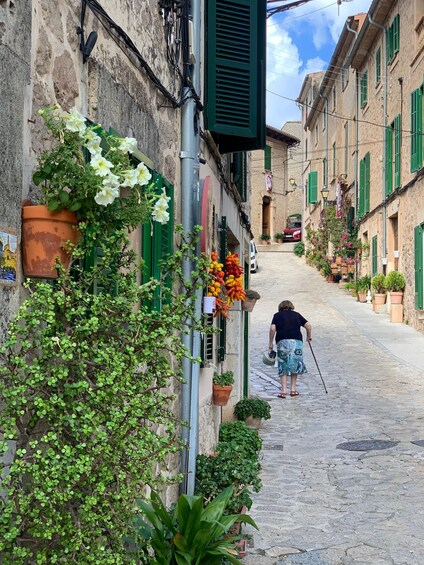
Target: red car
{"type": "Point", "coordinates": [293, 231]}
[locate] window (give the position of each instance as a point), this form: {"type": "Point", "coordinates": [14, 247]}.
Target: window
{"type": "Point", "coordinates": [378, 66]}
{"type": "Point", "coordinates": [240, 173]}
{"type": "Point", "coordinates": [345, 76]}
{"type": "Point", "coordinates": [374, 258]}
{"type": "Point", "coordinates": [324, 172]}
{"type": "Point", "coordinates": [393, 156]}
{"type": "Point", "coordinates": [364, 185]}
{"type": "Point", "coordinates": [235, 76]}
{"type": "Point", "coordinates": [306, 149]}
{"type": "Point", "coordinates": [267, 158]}
{"type": "Point", "coordinates": [324, 119]}
{"type": "Point", "coordinates": [334, 98]}
{"type": "Point", "coordinates": [346, 152]}
{"type": "Point", "coordinates": [364, 88]}
{"type": "Point", "coordinates": [417, 129]}
{"type": "Point", "coordinates": [313, 188]}
{"type": "Point", "coordinates": [316, 134]}
{"type": "Point", "coordinates": [419, 266]}
{"type": "Point", "coordinates": [393, 39]}
{"type": "Point", "coordinates": [334, 159]}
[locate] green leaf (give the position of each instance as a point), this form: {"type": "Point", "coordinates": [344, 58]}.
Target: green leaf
{"type": "Point", "coordinates": [37, 178]}
{"type": "Point", "coordinates": [64, 198]}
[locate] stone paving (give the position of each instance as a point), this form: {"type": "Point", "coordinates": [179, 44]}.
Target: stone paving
{"type": "Point", "coordinates": [320, 504]}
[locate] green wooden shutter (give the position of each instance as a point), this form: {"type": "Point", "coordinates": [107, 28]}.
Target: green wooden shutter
{"type": "Point", "coordinates": [364, 89]}
{"type": "Point", "coordinates": [350, 222]}
{"type": "Point", "coordinates": [398, 146]}
{"type": "Point", "coordinates": [313, 187]}
{"type": "Point", "coordinates": [378, 66]}
{"type": "Point", "coordinates": [361, 187]}
{"type": "Point", "coordinates": [416, 130]}
{"type": "Point", "coordinates": [367, 190]}
{"type": "Point", "coordinates": [389, 161]}
{"type": "Point", "coordinates": [235, 73]}
{"type": "Point", "coordinates": [374, 256]}
{"type": "Point", "coordinates": [222, 347]}
{"type": "Point", "coordinates": [419, 271]}
{"type": "Point", "coordinates": [267, 158]}
{"type": "Point", "coordinates": [240, 174]}
{"type": "Point", "coordinates": [396, 35]}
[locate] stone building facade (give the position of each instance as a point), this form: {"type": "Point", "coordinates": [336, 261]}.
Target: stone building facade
{"type": "Point", "coordinates": [294, 169]}
{"type": "Point", "coordinates": [269, 178]}
{"type": "Point", "coordinates": [129, 84]}
{"type": "Point", "coordinates": [374, 146]}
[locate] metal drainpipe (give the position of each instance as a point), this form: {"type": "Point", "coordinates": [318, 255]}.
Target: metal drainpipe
{"type": "Point", "coordinates": [189, 159]}
{"type": "Point", "coordinates": [326, 141]}
{"type": "Point", "coordinates": [355, 192]}
{"type": "Point", "coordinates": [383, 207]}
{"type": "Point", "coordinates": [195, 368]}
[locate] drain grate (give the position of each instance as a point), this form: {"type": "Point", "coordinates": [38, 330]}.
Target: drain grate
{"type": "Point", "coordinates": [367, 445]}
{"type": "Point", "coordinates": [273, 447]}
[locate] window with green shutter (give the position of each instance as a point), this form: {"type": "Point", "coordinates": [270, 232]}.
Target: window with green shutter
{"type": "Point", "coordinates": [364, 185]}
{"type": "Point", "coordinates": [378, 66]}
{"type": "Point", "coordinates": [240, 174]}
{"type": "Point", "coordinates": [223, 250]}
{"type": "Point", "coordinates": [235, 73]}
{"type": "Point", "coordinates": [374, 256]}
{"type": "Point", "coordinates": [324, 172]}
{"type": "Point", "coordinates": [267, 158]}
{"type": "Point", "coordinates": [389, 161]}
{"type": "Point", "coordinates": [397, 130]}
{"type": "Point", "coordinates": [364, 89]}
{"type": "Point", "coordinates": [157, 241]}
{"type": "Point", "coordinates": [313, 187]}
{"type": "Point", "coordinates": [419, 266]}
{"type": "Point", "coordinates": [416, 129]}
{"type": "Point", "coordinates": [392, 35]}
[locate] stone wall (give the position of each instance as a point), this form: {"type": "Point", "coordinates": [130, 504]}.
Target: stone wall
{"type": "Point", "coordinates": [15, 44]}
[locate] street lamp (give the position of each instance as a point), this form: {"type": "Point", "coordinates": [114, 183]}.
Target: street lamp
{"type": "Point", "coordinates": [324, 193]}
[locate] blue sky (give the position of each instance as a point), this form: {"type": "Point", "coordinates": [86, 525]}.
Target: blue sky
{"type": "Point", "coordinates": [301, 41]}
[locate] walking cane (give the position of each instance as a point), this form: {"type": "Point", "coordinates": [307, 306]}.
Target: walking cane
{"type": "Point", "coordinates": [316, 363]}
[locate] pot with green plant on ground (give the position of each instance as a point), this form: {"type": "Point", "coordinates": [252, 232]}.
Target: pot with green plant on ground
{"type": "Point", "coordinates": [377, 283]}
{"type": "Point", "coordinates": [265, 238]}
{"type": "Point", "coordinates": [299, 249]}
{"type": "Point", "coordinates": [395, 284]}
{"type": "Point", "coordinates": [326, 271]}
{"type": "Point", "coordinates": [252, 410]}
{"type": "Point", "coordinates": [362, 287]}
{"type": "Point", "coordinates": [222, 387]}
{"type": "Point", "coordinates": [278, 237]}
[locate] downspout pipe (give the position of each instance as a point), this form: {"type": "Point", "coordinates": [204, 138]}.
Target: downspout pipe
{"type": "Point", "coordinates": [355, 192]}
{"type": "Point", "coordinates": [195, 367]}
{"type": "Point", "coordinates": [188, 156]}
{"type": "Point", "coordinates": [385, 164]}
{"type": "Point", "coordinates": [326, 141]}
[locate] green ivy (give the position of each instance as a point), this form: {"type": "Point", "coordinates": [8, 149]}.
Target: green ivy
{"type": "Point", "coordinates": [88, 411]}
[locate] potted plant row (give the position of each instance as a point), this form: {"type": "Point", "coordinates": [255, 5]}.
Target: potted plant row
{"type": "Point", "coordinates": [395, 284]}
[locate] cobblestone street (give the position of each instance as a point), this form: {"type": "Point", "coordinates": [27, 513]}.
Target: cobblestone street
{"type": "Point", "coordinates": [321, 504]}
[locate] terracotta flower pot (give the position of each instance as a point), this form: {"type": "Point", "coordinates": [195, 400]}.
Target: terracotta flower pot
{"type": "Point", "coordinates": [396, 297]}
{"type": "Point", "coordinates": [380, 298]}
{"type": "Point", "coordinates": [362, 296]}
{"type": "Point", "coordinates": [248, 304]}
{"type": "Point", "coordinates": [254, 423]}
{"type": "Point", "coordinates": [221, 394]}
{"type": "Point", "coordinates": [44, 235]}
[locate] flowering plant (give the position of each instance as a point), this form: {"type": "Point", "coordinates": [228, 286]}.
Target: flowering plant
{"type": "Point", "coordinates": [89, 174]}
{"type": "Point", "coordinates": [348, 246]}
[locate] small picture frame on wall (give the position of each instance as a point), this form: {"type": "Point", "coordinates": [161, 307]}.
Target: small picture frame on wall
{"type": "Point", "coordinates": [8, 257]}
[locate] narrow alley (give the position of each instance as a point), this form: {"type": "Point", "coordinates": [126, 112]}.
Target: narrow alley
{"type": "Point", "coordinates": [321, 503]}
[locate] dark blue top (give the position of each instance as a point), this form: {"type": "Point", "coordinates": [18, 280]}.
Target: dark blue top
{"type": "Point", "coordinates": [288, 324]}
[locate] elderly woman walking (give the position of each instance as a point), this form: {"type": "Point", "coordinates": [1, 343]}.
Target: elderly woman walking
{"type": "Point", "coordinates": [285, 327]}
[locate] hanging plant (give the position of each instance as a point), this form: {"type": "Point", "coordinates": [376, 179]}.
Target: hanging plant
{"type": "Point", "coordinates": [234, 278]}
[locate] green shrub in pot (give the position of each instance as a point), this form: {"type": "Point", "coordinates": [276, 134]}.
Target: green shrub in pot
{"type": "Point", "coordinates": [223, 379]}
{"type": "Point", "coordinates": [394, 281]}
{"type": "Point", "coordinates": [254, 407]}
{"type": "Point", "coordinates": [378, 283]}
{"type": "Point", "coordinates": [239, 433]}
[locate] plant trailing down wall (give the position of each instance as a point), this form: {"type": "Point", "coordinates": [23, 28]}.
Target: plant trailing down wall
{"type": "Point", "coordinates": [87, 403]}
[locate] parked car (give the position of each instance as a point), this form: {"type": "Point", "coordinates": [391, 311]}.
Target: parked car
{"type": "Point", "coordinates": [253, 257]}
{"type": "Point", "coordinates": [293, 231]}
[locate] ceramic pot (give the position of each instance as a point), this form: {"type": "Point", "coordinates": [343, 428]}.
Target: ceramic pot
{"type": "Point", "coordinates": [380, 298]}
{"type": "Point", "coordinates": [44, 235]}
{"type": "Point", "coordinates": [254, 423]}
{"type": "Point", "coordinates": [396, 297]}
{"type": "Point", "coordinates": [221, 394]}
{"type": "Point", "coordinates": [248, 304]}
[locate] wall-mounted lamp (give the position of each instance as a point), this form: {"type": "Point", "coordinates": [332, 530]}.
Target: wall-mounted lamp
{"type": "Point", "coordinates": [324, 193]}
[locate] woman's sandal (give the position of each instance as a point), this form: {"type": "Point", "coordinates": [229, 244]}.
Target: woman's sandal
{"type": "Point", "coordinates": [294, 393]}
{"type": "Point", "coordinates": [282, 395]}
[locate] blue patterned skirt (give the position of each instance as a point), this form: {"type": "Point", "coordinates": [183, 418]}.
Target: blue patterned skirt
{"type": "Point", "coordinates": [290, 357]}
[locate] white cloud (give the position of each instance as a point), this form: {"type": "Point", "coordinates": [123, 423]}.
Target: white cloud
{"type": "Point", "coordinates": [285, 67]}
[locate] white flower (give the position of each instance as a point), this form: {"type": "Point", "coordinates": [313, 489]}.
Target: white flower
{"type": "Point", "coordinates": [75, 121]}
{"type": "Point", "coordinates": [101, 165]}
{"type": "Point", "coordinates": [130, 178]}
{"type": "Point", "coordinates": [160, 211]}
{"type": "Point", "coordinates": [92, 142]}
{"type": "Point", "coordinates": [107, 195]}
{"type": "Point", "coordinates": [128, 145]}
{"type": "Point", "coordinates": [143, 175]}
{"type": "Point", "coordinates": [111, 180]}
